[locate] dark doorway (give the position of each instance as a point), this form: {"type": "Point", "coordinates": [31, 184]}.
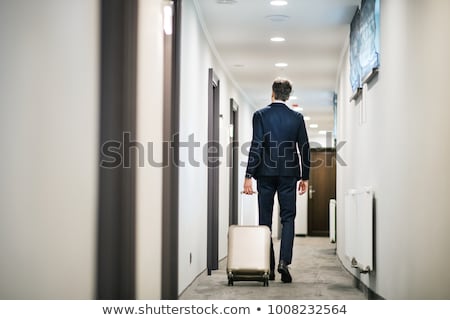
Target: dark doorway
{"type": "Point", "coordinates": [171, 118]}
{"type": "Point", "coordinates": [322, 188]}
{"type": "Point", "coordinates": [233, 150]}
{"type": "Point", "coordinates": [116, 209]}
{"type": "Point", "coordinates": [213, 161]}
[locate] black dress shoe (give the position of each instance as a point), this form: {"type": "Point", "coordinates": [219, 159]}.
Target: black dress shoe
{"type": "Point", "coordinates": [285, 275]}
{"type": "Point", "coordinates": [272, 275]}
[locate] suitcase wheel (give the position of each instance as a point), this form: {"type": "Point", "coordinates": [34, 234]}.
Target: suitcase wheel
{"type": "Point", "coordinates": [266, 280]}
{"type": "Point", "coordinates": [230, 279]}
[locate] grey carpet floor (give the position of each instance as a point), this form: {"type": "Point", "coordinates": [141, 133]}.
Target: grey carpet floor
{"type": "Point", "coordinates": [316, 271]}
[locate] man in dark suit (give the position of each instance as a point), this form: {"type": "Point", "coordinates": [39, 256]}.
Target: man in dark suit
{"type": "Point", "coordinates": [278, 134]}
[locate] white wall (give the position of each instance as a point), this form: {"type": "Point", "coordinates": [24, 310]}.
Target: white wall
{"type": "Point", "coordinates": [195, 60]}
{"type": "Point", "coordinates": [149, 129]}
{"type": "Point", "coordinates": [197, 56]}
{"type": "Point", "coordinates": [49, 128]}
{"type": "Point", "coordinates": [249, 211]}
{"type": "Point", "coordinates": [402, 151]}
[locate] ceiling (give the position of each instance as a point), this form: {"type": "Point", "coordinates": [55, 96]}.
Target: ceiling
{"type": "Point", "coordinates": [315, 32]}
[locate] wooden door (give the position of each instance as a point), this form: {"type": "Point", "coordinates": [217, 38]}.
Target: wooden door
{"type": "Point", "coordinates": [322, 188]}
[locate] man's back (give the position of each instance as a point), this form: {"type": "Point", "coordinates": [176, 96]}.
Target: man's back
{"type": "Point", "coordinates": [278, 131]}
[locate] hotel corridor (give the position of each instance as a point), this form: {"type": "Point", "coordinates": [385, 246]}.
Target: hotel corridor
{"type": "Point", "coordinates": [126, 125]}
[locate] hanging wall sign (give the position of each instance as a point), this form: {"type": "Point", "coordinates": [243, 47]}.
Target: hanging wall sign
{"type": "Point", "coordinates": [364, 43]}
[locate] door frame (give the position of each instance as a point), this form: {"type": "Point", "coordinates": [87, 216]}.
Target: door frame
{"type": "Point", "coordinates": [116, 244]}
{"type": "Point", "coordinates": [212, 256]}
{"type": "Point", "coordinates": [233, 150]}
{"type": "Point", "coordinates": [171, 158]}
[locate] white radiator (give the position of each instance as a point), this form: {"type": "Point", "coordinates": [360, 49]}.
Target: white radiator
{"type": "Point", "coordinates": [332, 220]}
{"type": "Point", "coordinates": [358, 219]}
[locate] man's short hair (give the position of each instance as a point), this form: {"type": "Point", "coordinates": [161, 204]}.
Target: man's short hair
{"type": "Point", "coordinates": [281, 89]}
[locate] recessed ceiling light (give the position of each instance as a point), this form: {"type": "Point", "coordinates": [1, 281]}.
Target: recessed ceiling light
{"type": "Point", "coordinates": [238, 65]}
{"type": "Point", "coordinates": [293, 98]}
{"type": "Point", "coordinates": [307, 118]}
{"type": "Point", "coordinates": [313, 126]}
{"type": "Point", "coordinates": [277, 39]}
{"type": "Point", "coordinates": [323, 132]}
{"type": "Point", "coordinates": [278, 3]}
{"type": "Point", "coordinates": [281, 64]}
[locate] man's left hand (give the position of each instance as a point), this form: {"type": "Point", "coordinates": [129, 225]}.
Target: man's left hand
{"type": "Point", "coordinates": [302, 187]}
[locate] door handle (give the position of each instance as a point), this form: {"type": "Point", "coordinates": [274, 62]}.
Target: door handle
{"type": "Point", "coordinates": [311, 191]}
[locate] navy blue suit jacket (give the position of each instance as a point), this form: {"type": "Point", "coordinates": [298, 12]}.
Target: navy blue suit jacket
{"type": "Point", "coordinates": [277, 132]}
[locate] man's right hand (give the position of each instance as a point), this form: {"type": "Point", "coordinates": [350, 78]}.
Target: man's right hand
{"type": "Point", "coordinates": [248, 186]}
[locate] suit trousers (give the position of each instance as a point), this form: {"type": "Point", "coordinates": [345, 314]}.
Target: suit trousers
{"type": "Point", "coordinates": [267, 186]}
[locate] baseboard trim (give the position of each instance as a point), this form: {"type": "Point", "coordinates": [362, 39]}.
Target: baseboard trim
{"type": "Point", "coordinates": [369, 293]}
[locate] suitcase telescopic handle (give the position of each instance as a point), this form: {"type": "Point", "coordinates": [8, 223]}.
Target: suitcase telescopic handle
{"type": "Point", "coordinates": [241, 218]}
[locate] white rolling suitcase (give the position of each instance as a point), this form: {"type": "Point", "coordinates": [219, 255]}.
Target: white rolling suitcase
{"type": "Point", "coordinates": [248, 253]}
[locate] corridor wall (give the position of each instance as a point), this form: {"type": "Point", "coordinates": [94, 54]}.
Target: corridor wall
{"type": "Point", "coordinates": [49, 127]}
{"type": "Point", "coordinates": [402, 151]}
